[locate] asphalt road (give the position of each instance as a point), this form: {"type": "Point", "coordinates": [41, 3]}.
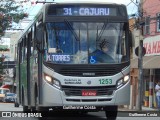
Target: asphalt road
{"type": "Point", "coordinates": [7, 107]}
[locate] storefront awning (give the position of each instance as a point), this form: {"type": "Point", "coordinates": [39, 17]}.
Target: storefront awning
{"type": "Point", "coordinates": [5, 86]}
{"type": "Point", "coordinates": [149, 62]}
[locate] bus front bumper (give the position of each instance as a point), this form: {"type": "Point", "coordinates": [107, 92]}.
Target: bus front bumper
{"type": "Point", "coordinates": [55, 97]}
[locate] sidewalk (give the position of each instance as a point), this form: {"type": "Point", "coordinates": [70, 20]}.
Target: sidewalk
{"type": "Point", "coordinates": [143, 109]}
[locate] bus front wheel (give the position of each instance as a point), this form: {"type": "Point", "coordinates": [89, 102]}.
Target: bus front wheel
{"type": "Point", "coordinates": [111, 112]}
{"type": "Point", "coordinates": [26, 109]}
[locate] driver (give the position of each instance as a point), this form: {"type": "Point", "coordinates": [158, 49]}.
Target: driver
{"type": "Point", "coordinates": [101, 55]}
{"type": "Point", "coordinates": [103, 46]}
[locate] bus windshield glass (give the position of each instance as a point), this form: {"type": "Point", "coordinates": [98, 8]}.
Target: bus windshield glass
{"type": "Point", "coordinates": [86, 43]}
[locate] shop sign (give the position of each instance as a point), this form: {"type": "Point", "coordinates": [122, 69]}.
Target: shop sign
{"type": "Point", "coordinates": [152, 45]}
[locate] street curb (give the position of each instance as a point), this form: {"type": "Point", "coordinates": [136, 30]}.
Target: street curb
{"type": "Point", "coordinates": [143, 109]}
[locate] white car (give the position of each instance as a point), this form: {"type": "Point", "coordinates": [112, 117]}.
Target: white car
{"type": "Point", "coordinates": [3, 91]}
{"type": "Point", "coordinates": [9, 97]}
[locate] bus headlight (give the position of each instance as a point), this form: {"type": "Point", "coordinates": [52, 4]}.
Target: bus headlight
{"type": "Point", "coordinates": [48, 79]}
{"type": "Point", "coordinates": [122, 81]}
{"type": "Point", "coordinates": [52, 81]}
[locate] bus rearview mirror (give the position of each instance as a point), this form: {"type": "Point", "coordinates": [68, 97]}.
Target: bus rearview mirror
{"type": "Point", "coordinates": [39, 34]}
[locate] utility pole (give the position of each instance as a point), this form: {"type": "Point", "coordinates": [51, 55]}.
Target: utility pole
{"type": "Point", "coordinates": [140, 52]}
{"type": "Point", "coordinates": [140, 76]}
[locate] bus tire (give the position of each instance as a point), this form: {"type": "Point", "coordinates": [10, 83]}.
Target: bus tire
{"type": "Point", "coordinates": [41, 118]}
{"type": "Point", "coordinates": [36, 100]}
{"type": "Point", "coordinates": [111, 112]}
{"type": "Point", "coordinates": [43, 109]}
{"type": "Point", "coordinates": [26, 109]}
{"type": "Point", "coordinates": [83, 113]}
{"type": "Point", "coordinates": [16, 104]}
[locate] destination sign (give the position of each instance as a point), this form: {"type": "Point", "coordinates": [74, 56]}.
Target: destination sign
{"type": "Point", "coordinates": [86, 11]}
{"type": "Point", "coordinates": [81, 11]}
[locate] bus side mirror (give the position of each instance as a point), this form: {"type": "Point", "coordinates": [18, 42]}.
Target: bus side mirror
{"type": "Point", "coordinates": [39, 33]}
{"type": "Point", "coordinates": [130, 39]}
{"type": "Point", "coordinates": [39, 37]}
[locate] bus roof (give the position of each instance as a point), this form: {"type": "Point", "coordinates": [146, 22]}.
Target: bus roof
{"type": "Point", "coordinates": [67, 2]}
{"type": "Point", "coordinates": [85, 1]}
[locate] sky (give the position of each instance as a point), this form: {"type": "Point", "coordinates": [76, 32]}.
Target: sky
{"type": "Point", "coordinates": [131, 6]}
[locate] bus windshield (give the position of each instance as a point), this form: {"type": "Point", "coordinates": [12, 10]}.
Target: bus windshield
{"type": "Point", "coordinates": [85, 42]}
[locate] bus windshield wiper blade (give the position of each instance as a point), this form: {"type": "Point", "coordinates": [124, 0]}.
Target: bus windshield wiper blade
{"type": "Point", "coordinates": [71, 29]}
{"type": "Point", "coordinates": [101, 32]}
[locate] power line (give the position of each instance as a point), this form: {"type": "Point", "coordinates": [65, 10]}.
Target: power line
{"type": "Point", "coordinates": [129, 3]}
{"type": "Point", "coordinates": [133, 8]}
{"type": "Point", "coordinates": [134, 3]}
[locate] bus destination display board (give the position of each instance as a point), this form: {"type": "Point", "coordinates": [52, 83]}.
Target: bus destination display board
{"type": "Point", "coordinates": [81, 11]}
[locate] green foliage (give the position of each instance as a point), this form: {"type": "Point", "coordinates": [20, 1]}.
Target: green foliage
{"type": "Point", "coordinates": [1, 65]}
{"type": "Point", "coordinates": [4, 48]}
{"type": "Point", "coordinates": [9, 13]}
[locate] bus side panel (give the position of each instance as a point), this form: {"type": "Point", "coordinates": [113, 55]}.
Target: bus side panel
{"type": "Point", "coordinates": [18, 90]}
{"type": "Point", "coordinates": [33, 78]}
{"type": "Point", "coordinates": [31, 81]}
{"type": "Point", "coordinates": [18, 75]}
{"type": "Point", "coordinates": [23, 73]}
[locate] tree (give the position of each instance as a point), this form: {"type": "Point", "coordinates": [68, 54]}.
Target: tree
{"type": "Point", "coordinates": [1, 65]}
{"type": "Point", "coordinates": [9, 12]}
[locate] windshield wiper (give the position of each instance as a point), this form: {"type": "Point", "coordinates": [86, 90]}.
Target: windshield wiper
{"type": "Point", "coordinates": [71, 29]}
{"type": "Point", "coordinates": [56, 36]}
{"type": "Point", "coordinates": [101, 32]}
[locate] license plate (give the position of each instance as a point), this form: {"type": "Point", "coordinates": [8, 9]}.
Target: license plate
{"type": "Point", "coordinates": [89, 92]}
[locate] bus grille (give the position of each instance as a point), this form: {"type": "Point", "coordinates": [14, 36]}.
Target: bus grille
{"type": "Point", "coordinates": [87, 70]}
{"type": "Point", "coordinates": [77, 91]}
{"type": "Point", "coordinates": [91, 71]}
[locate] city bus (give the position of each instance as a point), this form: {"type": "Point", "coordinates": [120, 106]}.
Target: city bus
{"type": "Point", "coordinates": [75, 56]}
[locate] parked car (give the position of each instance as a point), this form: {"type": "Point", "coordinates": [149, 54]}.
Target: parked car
{"type": "Point", "coordinates": [3, 91]}
{"type": "Point", "coordinates": [9, 97]}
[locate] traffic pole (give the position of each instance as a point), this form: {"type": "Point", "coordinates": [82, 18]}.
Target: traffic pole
{"type": "Point", "coordinates": [151, 89]}
{"type": "Point", "coordinates": [140, 76]}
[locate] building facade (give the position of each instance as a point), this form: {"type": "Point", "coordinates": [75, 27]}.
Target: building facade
{"type": "Point", "coordinates": [150, 19]}
{"type": "Point", "coordinates": [9, 41]}
{"type": "Point", "coordinates": [151, 32]}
